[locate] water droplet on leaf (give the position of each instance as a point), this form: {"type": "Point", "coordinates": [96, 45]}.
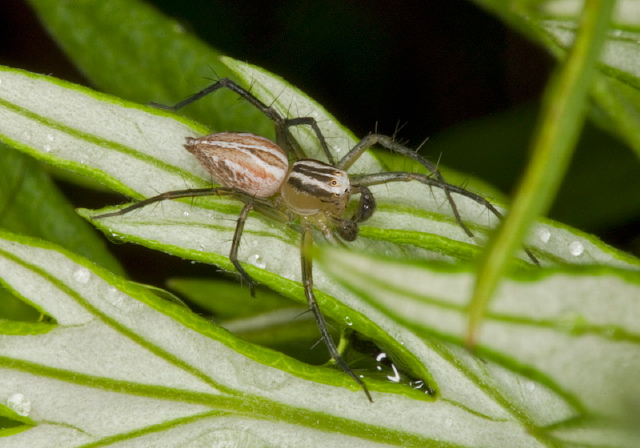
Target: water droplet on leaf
{"type": "Point", "coordinates": [448, 422]}
{"type": "Point", "coordinates": [257, 261]}
{"type": "Point", "coordinates": [544, 235]}
{"type": "Point", "coordinates": [19, 404]}
{"type": "Point", "coordinates": [576, 248]}
{"type": "Point", "coordinates": [81, 275]}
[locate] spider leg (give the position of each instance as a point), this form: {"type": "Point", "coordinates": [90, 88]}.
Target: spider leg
{"type": "Point", "coordinates": [307, 280]}
{"type": "Point", "coordinates": [310, 121]}
{"type": "Point", "coordinates": [388, 142]}
{"type": "Point", "coordinates": [213, 191]}
{"type": "Point", "coordinates": [398, 176]}
{"type": "Point", "coordinates": [177, 194]}
{"type": "Point", "coordinates": [235, 245]}
{"type": "Point", "coordinates": [225, 83]}
{"type": "Point", "coordinates": [283, 135]}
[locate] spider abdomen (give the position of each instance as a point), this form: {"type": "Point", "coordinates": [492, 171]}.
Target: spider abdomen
{"type": "Point", "coordinates": [312, 187]}
{"type": "Point", "coordinates": [247, 162]}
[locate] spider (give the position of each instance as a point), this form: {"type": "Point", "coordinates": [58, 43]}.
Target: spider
{"type": "Point", "coordinates": [278, 177]}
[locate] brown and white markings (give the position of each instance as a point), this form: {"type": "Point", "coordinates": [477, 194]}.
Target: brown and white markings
{"type": "Point", "coordinates": [247, 162]}
{"type": "Point", "coordinates": [258, 172]}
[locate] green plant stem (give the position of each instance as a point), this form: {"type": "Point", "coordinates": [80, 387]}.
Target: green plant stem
{"type": "Point", "coordinates": [562, 117]}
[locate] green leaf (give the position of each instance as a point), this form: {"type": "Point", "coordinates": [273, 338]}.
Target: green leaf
{"type": "Point", "coordinates": [232, 300]}
{"type": "Point", "coordinates": [145, 56]}
{"type": "Point", "coordinates": [571, 332]}
{"type": "Point", "coordinates": [560, 123]}
{"type": "Point", "coordinates": [139, 150]}
{"type": "Point", "coordinates": [137, 369]}
{"type": "Point", "coordinates": [268, 319]}
{"type": "Point", "coordinates": [586, 204]}
{"type": "Point", "coordinates": [615, 94]}
{"type": "Point", "coordinates": [140, 369]}
{"type": "Point", "coordinates": [94, 134]}
{"type": "Point", "coordinates": [31, 204]}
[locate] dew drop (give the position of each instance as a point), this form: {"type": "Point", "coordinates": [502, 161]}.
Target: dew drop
{"type": "Point", "coordinates": [50, 137]}
{"type": "Point", "coordinates": [347, 320]}
{"type": "Point", "coordinates": [531, 386]}
{"type": "Point", "coordinates": [185, 213]}
{"type": "Point", "coordinates": [225, 437]}
{"type": "Point", "coordinates": [380, 357]}
{"type": "Point", "coordinates": [0, 81]}
{"type": "Point", "coordinates": [422, 386]}
{"type": "Point", "coordinates": [448, 422]}
{"type": "Point", "coordinates": [270, 379]}
{"type": "Point", "coordinates": [19, 404]}
{"type": "Point", "coordinates": [257, 261]}
{"type": "Point", "coordinates": [81, 275]}
{"type": "Point", "coordinates": [47, 148]}
{"type": "Point", "coordinates": [576, 248]}
{"type": "Point", "coordinates": [120, 300]}
{"type": "Point", "coordinates": [544, 235]}
{"type": "Point", "coordinates": [201, 247]}
{"type": "Point", "coordinates": [273, 380]}
{"type": "Point", "coordinates": [395, 378]}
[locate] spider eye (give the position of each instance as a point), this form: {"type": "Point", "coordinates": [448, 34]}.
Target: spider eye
{"type": "Point", "coordinates": [315, 187]}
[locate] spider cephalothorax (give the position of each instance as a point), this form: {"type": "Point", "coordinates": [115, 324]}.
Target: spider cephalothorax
{"type": "Point", "coordinates": [279, 177]}
{"type": "Point", "coordinates": [313, 187]}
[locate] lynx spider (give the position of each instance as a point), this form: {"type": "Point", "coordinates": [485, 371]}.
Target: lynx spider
{"type": "Point", "coordinates": [258, 172]}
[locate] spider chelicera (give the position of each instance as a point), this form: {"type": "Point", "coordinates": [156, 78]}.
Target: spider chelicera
{"type": "Point", "coordinates": [278, 177]}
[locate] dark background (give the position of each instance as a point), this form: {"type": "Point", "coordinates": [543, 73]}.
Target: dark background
{"type": "Point", "coordinates": [424, 64]}
{"type": "Point", "coordinates": [430, 67]}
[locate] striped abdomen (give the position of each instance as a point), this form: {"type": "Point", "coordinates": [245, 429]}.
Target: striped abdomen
{"type": "Point", "coordinates": [313, 187]}
{"type": "Point", "coordinates": [247, 162]}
